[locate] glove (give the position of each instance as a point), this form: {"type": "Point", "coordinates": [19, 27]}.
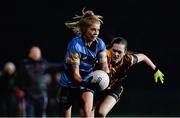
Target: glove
{"type": "Point", "coordinates": [89, 84]}
{"type": "Point", "coordinates": [158, 75]}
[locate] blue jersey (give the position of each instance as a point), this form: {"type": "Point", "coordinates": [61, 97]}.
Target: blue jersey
{"type": "Point", "coordinates": [85, 57]}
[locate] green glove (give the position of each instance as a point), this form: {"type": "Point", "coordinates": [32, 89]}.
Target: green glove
{"type": "Point", "coordinates": [158, 75]}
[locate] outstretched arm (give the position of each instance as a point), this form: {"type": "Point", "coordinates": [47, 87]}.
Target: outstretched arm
{"type": "Point", "coordinates": [157, 73]}
{"type": "Point", "coordinates": [141, 57]}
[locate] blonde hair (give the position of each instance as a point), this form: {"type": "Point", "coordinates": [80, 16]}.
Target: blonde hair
{"type": "Point", "coordinates": [88, 18]}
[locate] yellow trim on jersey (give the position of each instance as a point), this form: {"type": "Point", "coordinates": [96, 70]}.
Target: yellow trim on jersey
{"type": "Point", "coordinates": [103, 60]}
{"type": "Point", "coordinates": [103, 53]}
{"type": "Point", "coordinates": [108, 53]}
{"type": "Point", "coordinates": [74, 56]}
{"type": "Point", "coordinates": [74, 60]}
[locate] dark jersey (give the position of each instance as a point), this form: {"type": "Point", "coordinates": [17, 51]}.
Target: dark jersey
{"type": "Point", "coordinates": [120, 70]}
{"type": "Point", "coordinates": [33, 76]}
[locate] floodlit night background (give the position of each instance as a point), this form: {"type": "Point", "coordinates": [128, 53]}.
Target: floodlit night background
{"type": "Point", "coordinates": [151, 27]}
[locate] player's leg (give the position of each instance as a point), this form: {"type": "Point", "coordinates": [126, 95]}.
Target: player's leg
{"type": "Point", "coordinates": [87, 100]}
{"type": "Point", "coordinates": [109, 101]}
{"type": "Point", "coordinates": [65, 102]}
{"type": "Point", "coordinates": [107, 104]}
{"type": "Point", "coordinates": [67, 112]}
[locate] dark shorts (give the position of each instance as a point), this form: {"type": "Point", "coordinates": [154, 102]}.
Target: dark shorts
{"type": "Point", "coordinates": [72, 96]}
{"type": "Point", "coordinates": [115, 91]}
{"type": "Point", "coordinates": [69, 96]}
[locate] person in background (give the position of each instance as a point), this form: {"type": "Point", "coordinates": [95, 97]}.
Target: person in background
{"type": "Point", "coordinates": [83, 52]}
{"type": "Point", "coordinates": [33, 79]}
{"type": "Point", "coordinates": [54, 89]}
{"type": "Point", "coordinates": [11, 95]}
{"type": "Point", "coordinates": [120, 61]}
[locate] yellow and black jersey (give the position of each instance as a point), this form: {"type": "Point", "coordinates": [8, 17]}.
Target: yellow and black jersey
{"type": "Point", "coordinates": [120, 70]}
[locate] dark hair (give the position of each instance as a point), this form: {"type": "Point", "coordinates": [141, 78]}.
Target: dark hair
{"type": "Point", "coordinates": [118, 40]}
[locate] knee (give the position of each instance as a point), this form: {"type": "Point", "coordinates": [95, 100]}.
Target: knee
{"type": "Point", "coordinates": [87, 112]}
{"type": "Point", "coordinates": [100, 114]}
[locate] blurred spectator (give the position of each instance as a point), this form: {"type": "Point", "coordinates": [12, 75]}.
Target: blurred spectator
{"type": "Point", "coordinates": [53, 93]}
{"type": "Point", "coordinates": [34, 77]}
{"type": "Point", "coordinates": [11, 96]}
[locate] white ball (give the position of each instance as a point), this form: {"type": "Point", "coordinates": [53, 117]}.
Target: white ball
{"type": "Point", "coordinates": [102, 78]}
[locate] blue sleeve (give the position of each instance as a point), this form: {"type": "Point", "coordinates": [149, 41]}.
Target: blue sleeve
{"type": "Point", "coordinates": [102, 56]}
{"type": "Point", "coordinates": [72, 54]}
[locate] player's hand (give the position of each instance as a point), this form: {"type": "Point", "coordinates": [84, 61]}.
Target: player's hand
{"type": "Point", "coordinates": [89, 84]}
{"type": "Point", "coordinates": [158, 75]}
{"type": "Point", "coordinates": [110, 75]}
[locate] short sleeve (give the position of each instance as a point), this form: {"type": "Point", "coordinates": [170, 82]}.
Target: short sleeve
{"type": "Point", "coordinates": [72, 54]}
{"type": "Point", "coordinates": [102, 55]}
{"type": "Point", "coordinates": [134, 59]}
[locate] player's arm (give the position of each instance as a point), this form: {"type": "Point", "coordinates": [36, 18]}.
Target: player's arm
{"type": "Point", "coordinates": [144, 58]}
{"type": "Point", "coordinates": [76, 73]}
{"type": "Point", "coordinates": [102, 58]}
{"type": "Point", "coordinates": [158, 75]}
{"type": "Point", "coordinates": [105, 68]}
{"type": "Point", "coordinates": [75, 61]}
{"type": "Point", "coordinates": [73, 58]}
{"type": "Point", "coordinates": [79, 79]}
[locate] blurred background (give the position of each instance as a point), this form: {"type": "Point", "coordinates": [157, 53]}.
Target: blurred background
{"type": "Point", "coordinates": [151, 27]}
